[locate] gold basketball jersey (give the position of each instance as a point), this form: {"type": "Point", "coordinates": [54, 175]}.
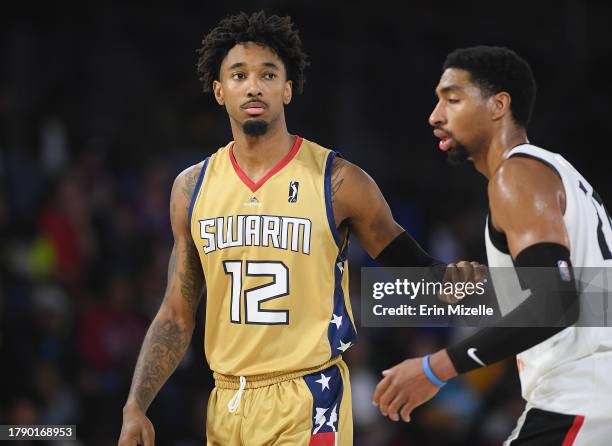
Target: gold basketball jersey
{"type": "Point", "coordinates": [274, 263]}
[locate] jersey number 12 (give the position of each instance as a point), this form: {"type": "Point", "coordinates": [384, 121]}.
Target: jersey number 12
{"type": "Point", "coordinates": [254, 297]}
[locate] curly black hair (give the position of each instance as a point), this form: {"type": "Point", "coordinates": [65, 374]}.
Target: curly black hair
{"type": "Point", "coordinates": [274, 32]}
{"type": "Point", "coordinates": [496, 69]}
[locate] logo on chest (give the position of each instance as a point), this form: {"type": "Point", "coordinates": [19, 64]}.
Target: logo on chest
{"type": "Point", "coordinates": [253, 202]}
{"type": "Point", "coordinates": [293, 191]}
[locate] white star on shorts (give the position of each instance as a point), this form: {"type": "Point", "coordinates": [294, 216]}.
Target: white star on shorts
{"type": "Point", "coordinates": [344, 346]}
{"type": "Point", "coordinates": [324, 381]}
{"type": "Point", "coordinates": [337, 320]}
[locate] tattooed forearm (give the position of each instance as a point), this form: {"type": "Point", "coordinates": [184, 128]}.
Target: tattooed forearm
{"type": "Point", "coordinates": [161, 353]}
{"type": "Point", "coordinates": [192, 278]}
{"type": "Point", "coordinates": [167, 338]}
{"type": "Point", "coordinates": [170, 333]}
{"type": "Point", "coordinates": [336, 177]}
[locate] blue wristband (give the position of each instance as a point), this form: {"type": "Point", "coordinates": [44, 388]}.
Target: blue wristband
{"type": "Point", "coordinates": [430, 374]}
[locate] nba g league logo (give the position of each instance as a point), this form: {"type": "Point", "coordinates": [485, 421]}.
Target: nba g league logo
{"type": "Point", "coordinates": [293, 191]}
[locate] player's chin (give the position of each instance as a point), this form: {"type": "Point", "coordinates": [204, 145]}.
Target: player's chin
{"type": "Point", "coordinates": [457, 154]}
{"type": "Point", "coordinates": [255, 126]}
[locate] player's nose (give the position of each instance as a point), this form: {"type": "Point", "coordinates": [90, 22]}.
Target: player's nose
{"type": "Point", "coordinates": [437, 118]}
{"type": "Point", "coordinates": [254, 87]}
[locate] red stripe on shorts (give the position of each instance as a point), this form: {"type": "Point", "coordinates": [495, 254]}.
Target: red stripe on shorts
{"type": "Point", "coordinates": [573, 431]}
{"type": "Point", "coordinates": [323, 439]}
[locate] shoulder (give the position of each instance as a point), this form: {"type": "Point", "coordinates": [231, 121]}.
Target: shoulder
{"type": "Point", "coordinates": [353, 192]}
{"type": "Point", "coordinates": [185, 182]}
{"type": "Point", "coordinates": [349, 171]}
{"type": "Point", "coordinates": [520, 181]}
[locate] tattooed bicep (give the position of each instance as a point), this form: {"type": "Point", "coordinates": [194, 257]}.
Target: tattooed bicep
{"type": "Point", "coordinates": [337, 175]}
{"type": "Point", "coordinates": [190, 276]}
{"type": "Point", "coordinates": [180, 199]}
{"type": "Point", "coordinates": [191, 179]}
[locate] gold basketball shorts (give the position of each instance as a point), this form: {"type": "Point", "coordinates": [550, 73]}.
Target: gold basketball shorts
{"type": "Point", "coordinates": [309, 408]}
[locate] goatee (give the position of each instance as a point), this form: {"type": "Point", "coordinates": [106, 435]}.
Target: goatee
{"type": "Point", "coordinates": [255, 127]}
{"type": "Point", "coordinates": [457, 155]}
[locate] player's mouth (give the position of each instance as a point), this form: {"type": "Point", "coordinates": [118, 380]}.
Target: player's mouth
{"type": "Point", "coordinates": [254, 108]}
{"type": "Point", "coordinates": [445, 139]}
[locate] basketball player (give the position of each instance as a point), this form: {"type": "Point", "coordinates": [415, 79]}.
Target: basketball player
{"type": "Point", "coordinates": [543, 213]}
{"type": "Point", "coordinates": [265, 220]}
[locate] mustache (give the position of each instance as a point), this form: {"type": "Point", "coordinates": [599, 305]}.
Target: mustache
{"type": "Point", "coordinates": [439, 127]}
{"type": "Point", "coordinates": [260, 101]}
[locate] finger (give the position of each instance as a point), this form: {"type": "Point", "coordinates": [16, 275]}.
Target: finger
{"type": "Point", "coordinates": [480, 273]}
{"type": "Point", "coordinates": [148, 436]}
{"type": "Point", "coordinates": [386, 398]}
{"type": "Point", "coordinates": [127, 441]}
{"type": "Point", "coordinates": [452, 275]}
{"type": "Point", "coordinates": [448, 272]}
{"type": "Point", "coordinates": [467, 271]}
{"type": "Point", "coordinates": [406, 411]}
{"type": "Point", "coordinates": [381, 387]}
{"type": "Point", "coordinates": [456, 276]}
{"type": "Point", "coordinates": [399, 400]}
{"type": "Point", "coordinates": [448, 278]}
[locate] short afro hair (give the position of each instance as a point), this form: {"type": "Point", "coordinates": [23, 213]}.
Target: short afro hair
{"type": "Point", "coordinates": [274, 32]}
{"type": "Point", "coordinates": [495, 69]}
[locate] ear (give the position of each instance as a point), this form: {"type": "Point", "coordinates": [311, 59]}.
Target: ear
{"type": "Point", "coordinates": [288, 93]}
{"type": "Point", "coordinates": [500, 105]}
{"type": "Point", "coordinates": [218, 91]}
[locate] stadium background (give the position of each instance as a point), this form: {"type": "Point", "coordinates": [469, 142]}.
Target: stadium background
{"type": "Point", "coordinates": [100, 108]}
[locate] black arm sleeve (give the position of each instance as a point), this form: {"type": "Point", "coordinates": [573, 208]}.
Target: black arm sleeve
{"type": "Point", "coordinates": [551, 307]}
{"type": "Point", "coordinates": [405, 251]}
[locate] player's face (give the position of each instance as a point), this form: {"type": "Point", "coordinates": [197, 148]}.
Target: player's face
{"type": "Point", "coordinates": [461, 116]}
{"type": "Point", "coordinates": [253, 87]}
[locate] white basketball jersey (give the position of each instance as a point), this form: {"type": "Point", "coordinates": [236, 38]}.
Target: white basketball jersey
{"type": "Point", "coordinates": [570, 372]}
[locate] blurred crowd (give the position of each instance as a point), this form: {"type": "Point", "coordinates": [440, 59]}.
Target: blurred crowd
{"type": "Point", "coordinates": [100, 109]}
{"type": "Point", "coordinates": [83, 273]}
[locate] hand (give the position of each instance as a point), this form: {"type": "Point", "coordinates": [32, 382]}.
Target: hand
{"type": "Point", "coordinates": [464, 272]}
{"type": "Point", "coordinates": [403, 388]}
{"type": "Point", "coordinates": [137, 429]}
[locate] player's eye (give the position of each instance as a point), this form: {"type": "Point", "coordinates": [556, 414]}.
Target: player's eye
{"type": "Point", "coordinates": [269, 76]}
{"type": "Point", "coordinates": [453, 100]}
{"type": "Point", "coordinates": [238, 76]}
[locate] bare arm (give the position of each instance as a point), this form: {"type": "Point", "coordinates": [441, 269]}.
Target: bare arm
{"type": "Point", "coordinates": [170, 332]}
{"type": "Point", "coordinates": [527, 202]}
{"type": "Point", "coordinates": [357, 200]}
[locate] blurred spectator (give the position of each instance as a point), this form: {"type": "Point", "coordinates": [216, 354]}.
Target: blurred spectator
{"type": "Point", "coordinates": [110, 333]}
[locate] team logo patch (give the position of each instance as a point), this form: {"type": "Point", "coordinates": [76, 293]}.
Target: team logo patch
{"type": "Point", "coordinates": [564, 271]}
{"type": "Point", "coordinates": [252, 202]}
{"type": "Point", "coordinates": [293, 191]}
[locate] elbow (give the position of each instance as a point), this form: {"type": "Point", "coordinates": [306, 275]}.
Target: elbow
{"type": "Point", "coordinates": [184, 319]}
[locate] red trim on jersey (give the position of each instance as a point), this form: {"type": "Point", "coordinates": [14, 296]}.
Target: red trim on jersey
{"type": "Point", "coordinates": [323, 439]}
{"type": "Point", "coordinates": [573, 431]}
{"type": "Point", "coordinates": [282, 163]}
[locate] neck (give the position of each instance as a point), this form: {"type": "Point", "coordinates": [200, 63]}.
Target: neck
{"type": "Point", "coordinates": [257, 154]}
{"type": "Point", "coordinates": [495, 150]}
